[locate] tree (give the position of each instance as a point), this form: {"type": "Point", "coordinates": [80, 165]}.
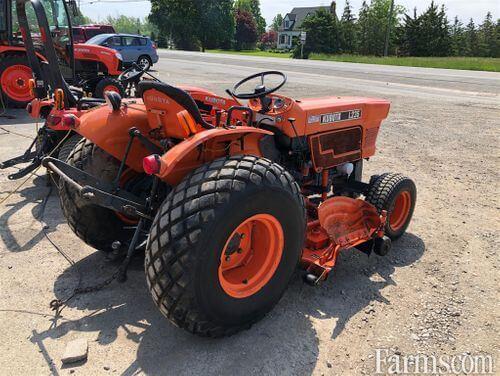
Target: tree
{"type": "Point", "coordinates": [192, 24]}
{"type": "Point", "coordinates": [277, 22]}
{"type": "Point", "coordinates": [347, 30]}
{"type": "Point", "coordinates": [246, 30]}
{"type": "Point", "coordinates": [409, 34]}
{"type": "Point", "coordinates": [253, 6]}
{"type": "Point", "coordinates": [458, 43]}
{"type": "Point", "coordinates": [322, 34]}
{"type": "Point", "coordinates": [488, 37]}
{"type": "Point", "coordinates": [268, 40]}
{"type": "Point", "coordinates": [471, 39]}
{"type": "Point", "coordinates": [372, 26]}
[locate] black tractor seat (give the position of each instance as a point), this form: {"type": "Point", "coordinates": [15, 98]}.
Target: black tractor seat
{"type": "Point", "coordinates": [178, 95]}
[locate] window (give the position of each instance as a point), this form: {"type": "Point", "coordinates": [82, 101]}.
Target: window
{"type": "Point", "coordinates": [144, 41]}
{"type": "Point", "coordinates": [114, 41]}
{"type": "Point", "coordinates": [282, 39]}
{"type": "Point", "coordinates": [287, 24]}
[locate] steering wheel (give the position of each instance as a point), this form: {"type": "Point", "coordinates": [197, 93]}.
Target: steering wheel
{"type": "Point", "coordinates": [131, 74]}
{"type": "Point", "coordinates": [260, 90]}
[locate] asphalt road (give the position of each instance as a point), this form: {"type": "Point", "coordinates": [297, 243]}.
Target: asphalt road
{"type": "Point", "coordinates": [435, 294]}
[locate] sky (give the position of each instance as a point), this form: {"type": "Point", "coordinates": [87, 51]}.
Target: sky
{"type": "Point", "coordinates": [464, 9]}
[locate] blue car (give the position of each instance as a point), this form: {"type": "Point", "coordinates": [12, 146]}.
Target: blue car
{"type": "Point", "coordinates": [133, 48]}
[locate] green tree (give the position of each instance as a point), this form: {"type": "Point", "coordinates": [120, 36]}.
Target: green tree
{"type": "Point", "coordinates": [471, 39]}
{"type": "Point", "coordinates": [458, 43]}
{"type": "Point", "coordinates": [347, 30]}
{"type": "Point", "coordinates": [488, 37]}
{"type": "Point", "coordinates": [192, 24]}
{"type": "Point", "coordinates": [372, 26]}
{"type": "Point", "coordinates": [409, 34]}
{"type": "Point", "coordinates": [277, 22]}
{"type": "Point", "coordinates": [322, 34]}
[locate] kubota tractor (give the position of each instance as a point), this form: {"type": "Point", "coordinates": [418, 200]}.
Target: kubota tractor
{"type": "Point", "coordinates": [92, 68]}
{"type": "Point", "coordinates": [229, 201]}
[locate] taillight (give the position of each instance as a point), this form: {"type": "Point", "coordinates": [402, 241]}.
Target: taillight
{"type": "Point", "coordinates": [70, 121]}
{"type": "Point", "coordinates": [53, 120]}
{"type": "Point", "coordinates": [154, 45]}
{"type": "Point", "coordinates": [151, 164]}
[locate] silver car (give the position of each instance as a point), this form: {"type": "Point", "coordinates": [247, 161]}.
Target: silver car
{"type": "Point", "coordinates": [133, 48]}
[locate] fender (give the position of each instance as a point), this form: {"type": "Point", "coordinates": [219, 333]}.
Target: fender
{"type": "Point", "coordinates": [16, 49]}
{"type": "Point", "coordinates": [206, 146]}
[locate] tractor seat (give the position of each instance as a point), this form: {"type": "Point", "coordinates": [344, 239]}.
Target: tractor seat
{"type": "Point", "coordinates": [181, 97]}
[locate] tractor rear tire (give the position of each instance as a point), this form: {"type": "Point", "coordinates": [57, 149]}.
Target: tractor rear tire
{"type": "Point", "coordinates": [97, 226]}
{"type": "Point", "coordinates": [397, 194]}
{"type": "Point", "coordinates": [108, 84]}
{"type": "Point", "coordinates": [68, 146]}
{"type": "Point", "coordinates": [15, 74]}
{"type": "Point", "coordinates": [194, 230]}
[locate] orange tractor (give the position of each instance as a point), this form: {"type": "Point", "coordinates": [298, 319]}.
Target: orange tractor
{"type": "Point", "coordinates": [226, 198]}
{"type": "Point", "coordinates": [95, 69]}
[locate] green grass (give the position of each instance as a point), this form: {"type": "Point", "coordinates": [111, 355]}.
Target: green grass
{"type": "Point", "coordinates": [286, 55]}
{"type": "Point", "coordinates": [466, 63]}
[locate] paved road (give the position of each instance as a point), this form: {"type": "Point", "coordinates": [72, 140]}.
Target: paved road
{"type": "Point", "coordinates": [437, 84]}
{"type": "Point", "coordinates": [435, 293]}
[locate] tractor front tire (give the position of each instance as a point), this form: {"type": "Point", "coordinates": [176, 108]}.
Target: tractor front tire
{"type": "Point", "coordinates": [68, 146]}
{"type": "Point", "coordinates": [97, 226]}
{"type": "Point", "coordinates": [225, 244]}
{"type": "Point", "coordinates": [397, 194]}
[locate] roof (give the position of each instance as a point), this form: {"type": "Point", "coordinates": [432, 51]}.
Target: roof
{"type": "Point", "coordinates": [299, 14]}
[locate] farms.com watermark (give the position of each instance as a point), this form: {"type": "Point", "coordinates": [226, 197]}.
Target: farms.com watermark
{"type": "Point", "coordinates": [387, 363]}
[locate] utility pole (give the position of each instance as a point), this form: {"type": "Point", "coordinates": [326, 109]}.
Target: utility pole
{"type": "Point", "coordinates": [388, 30]}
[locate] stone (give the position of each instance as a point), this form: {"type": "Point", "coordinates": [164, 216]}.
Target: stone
{"type": "Point", "coordinates": [75, 351]}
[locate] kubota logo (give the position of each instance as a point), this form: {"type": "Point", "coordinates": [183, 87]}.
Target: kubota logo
{"type": "Point", "coordinates": [213, 100]}
{"type": "Point", "coordinates": [154, 98]}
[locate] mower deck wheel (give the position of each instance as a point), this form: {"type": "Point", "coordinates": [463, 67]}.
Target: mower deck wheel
{"type": "Point", "coordinates": [396, 194]}
{"type": "Point", "coordinates": [224, 245]}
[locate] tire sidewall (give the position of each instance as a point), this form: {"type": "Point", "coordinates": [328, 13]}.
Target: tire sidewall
{"type": "Point", "coordinates": [405, 185]}
{"type": "Point", "coordinates": [216, 303]}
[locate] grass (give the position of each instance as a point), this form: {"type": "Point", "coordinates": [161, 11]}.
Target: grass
{"type": "Point", "coordinates": [465, 63]}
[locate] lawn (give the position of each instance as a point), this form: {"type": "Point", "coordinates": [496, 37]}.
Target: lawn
{"type": "Point", "coordinates": [467, 63]}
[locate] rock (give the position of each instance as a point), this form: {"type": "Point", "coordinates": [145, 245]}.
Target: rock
{"type": "Point", "coordinates": [76, 351]}
{"type": "Point", "coordinates": [106, 368]}
{"type": "Point", "coordinates": [328, 364]}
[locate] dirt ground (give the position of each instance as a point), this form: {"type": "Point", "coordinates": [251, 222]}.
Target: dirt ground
{"type": "Point", "coordinates": [435, 294]}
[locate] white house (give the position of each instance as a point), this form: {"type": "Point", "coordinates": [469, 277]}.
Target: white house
{"type": "Point", "coordinates": [292, 22]}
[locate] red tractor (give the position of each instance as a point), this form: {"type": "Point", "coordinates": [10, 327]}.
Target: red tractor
{"type": "Point", "coordinates": [92, 68]}
{"type": "Point", "coordinates": [228, 198]}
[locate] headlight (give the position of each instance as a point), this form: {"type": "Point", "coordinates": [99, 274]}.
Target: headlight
{"type": "Point", "coordinates": [119, 56]}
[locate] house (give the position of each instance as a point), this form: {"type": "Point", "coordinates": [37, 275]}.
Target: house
{"type": "Point", "coordinates": [292, 22]}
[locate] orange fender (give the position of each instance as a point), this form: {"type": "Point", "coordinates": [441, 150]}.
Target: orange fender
{"type": "Point", "coordinates": [206, 146]}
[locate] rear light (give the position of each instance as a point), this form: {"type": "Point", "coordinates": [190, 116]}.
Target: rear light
{"type": "Point", "coordinates": [31, 84]}
{"type": "Point", "coordinates": [151, 164]}
{"type": "Point", "coordinates": [154, 45]}
{"type": "Point", "coordinates": [70, 121]}
{"type": "Point", "coordinates": [53, 120]}
{"type": "Point", "coordinates": [59, 99]}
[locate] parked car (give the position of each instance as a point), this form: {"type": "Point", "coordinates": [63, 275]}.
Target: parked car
{"type": "Point", "coordinates": [133, 48]}
{"type": "Point", "coordinates": [83, 33]}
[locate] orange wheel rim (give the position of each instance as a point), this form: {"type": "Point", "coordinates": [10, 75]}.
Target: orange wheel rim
{"type": "Point", "coordinates": [400, 211]}
{"type": "Point", "coordinates": [251, 256]}
{"type": "Point", "coordinates": [15, 82]}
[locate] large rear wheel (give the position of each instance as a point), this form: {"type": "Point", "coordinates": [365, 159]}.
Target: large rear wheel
{"type": "Point", "coordinates": [225, 244]}
{"type": "Point", "coordinates": [14, 81]}
{"type": "Point", "coordinates": [97, 226]}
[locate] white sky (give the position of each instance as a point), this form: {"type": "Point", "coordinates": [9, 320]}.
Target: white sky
{"type": "Point", "coordinates": [465, 9]}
